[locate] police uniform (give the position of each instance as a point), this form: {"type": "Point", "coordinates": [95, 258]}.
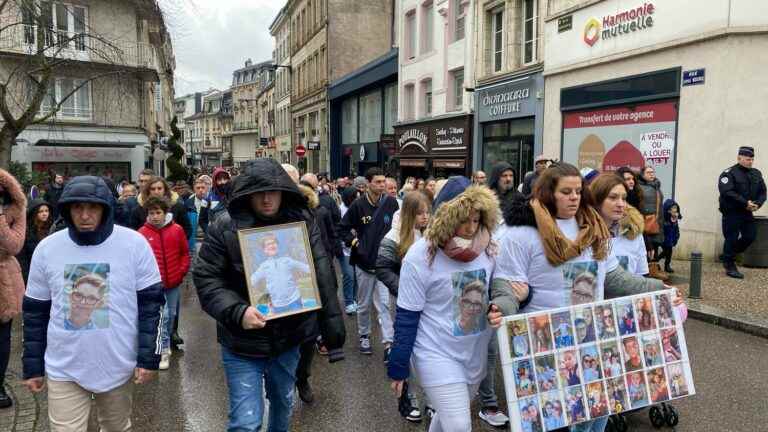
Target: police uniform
{"type": "Point", "coordinates": [737, 186]}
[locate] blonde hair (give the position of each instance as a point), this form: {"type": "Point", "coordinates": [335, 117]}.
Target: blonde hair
{"type": "Point", "coordinates": [412, 204]}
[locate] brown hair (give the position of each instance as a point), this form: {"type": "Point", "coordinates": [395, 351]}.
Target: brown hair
{"type": "Point", "coordinates": [157, 203]}
{"type": "Point", "coordinates": [601, 187]}
{"type": "Point", "coordinates": [147, 172]}
{"type": "Point", "coordinates": [411, 207]}
{"type": "Point", "coordinates": [544, 190]}
{"type": "Point", "coordinates": [148, 185]}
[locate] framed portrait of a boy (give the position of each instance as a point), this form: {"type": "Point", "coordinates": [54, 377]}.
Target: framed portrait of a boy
{"type": "Point", "coordinates": [279, 269]}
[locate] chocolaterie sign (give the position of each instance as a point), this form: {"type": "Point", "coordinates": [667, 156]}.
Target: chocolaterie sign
{"type": "Point", "coordinates": [437, 137]}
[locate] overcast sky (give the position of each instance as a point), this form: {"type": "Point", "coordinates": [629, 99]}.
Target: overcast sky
{"type": "Point", "coordinates": [212, 38]}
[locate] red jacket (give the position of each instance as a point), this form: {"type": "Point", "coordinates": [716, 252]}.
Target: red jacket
{"type": "Point", "coordinates": [171, 249]}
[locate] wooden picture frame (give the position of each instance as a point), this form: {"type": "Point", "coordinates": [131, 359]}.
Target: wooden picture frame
{"type": "Point", "coordinates": [280, 269]}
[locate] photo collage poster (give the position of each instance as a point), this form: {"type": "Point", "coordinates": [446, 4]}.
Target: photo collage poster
{"type": "Point", "coordinates": [569, 365]}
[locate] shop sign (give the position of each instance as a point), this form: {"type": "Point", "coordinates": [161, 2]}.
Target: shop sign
{"type": "Point", "coordinates": [507, 101]}
{"type": "Point", "coordinates": [413, 138]}
{"type": "Point", "coordinates": [413, 162]}
{"type": "Point", "coordinates": [693, 77]}
{"type": "Point", "coordinates": [77, 154]}
{"type": "Point", "coordinates": [619, 24]}
{"type": "Point", "coordinates": [449, 136]}
{"type": "Point", "coordinates": [442, 163]}
{"type": "Point", "coordinates": [362, 153]}
{"type": "Point", "coordinates": [313, 145]}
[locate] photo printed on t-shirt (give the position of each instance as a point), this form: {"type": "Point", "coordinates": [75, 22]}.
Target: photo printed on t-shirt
{"type": "Point", "coordinates": [580, 282]}
{"type": "Point", "coordinates": [470, 301]}
{"type": "Point", "coordinates": [86, 296]}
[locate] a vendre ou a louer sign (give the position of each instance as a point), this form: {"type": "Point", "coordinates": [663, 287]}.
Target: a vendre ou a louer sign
{"type": "Point", "coordinates": [617, 25]}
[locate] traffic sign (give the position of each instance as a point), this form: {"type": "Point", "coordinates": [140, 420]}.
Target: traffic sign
{"type": "Point", "coordinates": [300, 150]}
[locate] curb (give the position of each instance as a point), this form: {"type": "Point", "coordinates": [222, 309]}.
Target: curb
{"type": "Point", "coordinates": [731, 320]}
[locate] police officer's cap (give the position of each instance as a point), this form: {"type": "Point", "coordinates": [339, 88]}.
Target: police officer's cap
{"type": "Point", "coordinates": [746, 151]}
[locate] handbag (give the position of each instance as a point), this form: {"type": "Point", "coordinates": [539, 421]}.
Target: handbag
{"type": "Point", "coordinates": [652, 220]}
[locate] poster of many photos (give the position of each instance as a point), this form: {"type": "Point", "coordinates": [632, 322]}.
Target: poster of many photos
{"type": "Point", "coordinates": [570, 365]}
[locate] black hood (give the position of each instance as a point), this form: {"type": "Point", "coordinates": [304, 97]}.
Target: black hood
{"type": "Point", "coordinates": [263, 175]}
{"type": "Point", "coordinates": [517, 212]}
{"type": "Point", "coordinates": [496, 173]}
{"type": "Point", "coordinates": [89, 189]}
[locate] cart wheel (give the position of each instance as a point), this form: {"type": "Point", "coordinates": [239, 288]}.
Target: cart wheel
{"type": "Point", "coordinates": [671, 416]}
{"type": "Point", "coordinates": [657, 418]}
{"type": "Point", "coordinates": [621, 424]}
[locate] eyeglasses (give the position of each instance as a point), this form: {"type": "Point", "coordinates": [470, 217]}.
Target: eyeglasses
{"type": "Point", "coordinates": [471, 305]}
{"type": "Point", "coordinates": [79, 297]}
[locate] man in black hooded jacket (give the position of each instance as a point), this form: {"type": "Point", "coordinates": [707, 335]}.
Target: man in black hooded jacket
{"type": "Point", "coordinates": [255, 350]}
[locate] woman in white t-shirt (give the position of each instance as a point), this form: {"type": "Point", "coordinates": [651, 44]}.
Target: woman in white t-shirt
{"type": "Point", "coordinates": [624, 221]}
{"type": "Point", "coordinates": [558, 246]}
{"type": "Point", "coordinates": [442, 304]}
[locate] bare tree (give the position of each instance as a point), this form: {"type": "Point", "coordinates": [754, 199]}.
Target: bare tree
{"type": "Point", "coordinates": [33, 52]}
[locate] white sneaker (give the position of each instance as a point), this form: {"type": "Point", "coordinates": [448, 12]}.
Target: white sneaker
{"type": "Point", "coordinates": [351, 309]}
{"type": "Point", "coordinates": [165, 361]}
{"type": "Point", "coordinates": [494, 418]}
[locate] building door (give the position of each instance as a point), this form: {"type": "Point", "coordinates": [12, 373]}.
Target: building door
{"type": "Point", "coordinates": [511, 142]}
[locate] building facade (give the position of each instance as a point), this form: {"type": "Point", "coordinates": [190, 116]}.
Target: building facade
{"type": "Point", "coordinates": [247, 84]}
{"type": "Point", "coordinates": [633, 83]}
{"type": "Point", "coordinates": [328, 40]}
{"type": "Point", "coordinates": [434, 123]}
{"type": "Point", "coordinates": [509, 90]}
{"type": "Point", "coordinates": [363, 111]}
{"type": "Point", "coordinates": [281, 32]}
{"type": "Point", "coordinates": [266, 107]}
{"type": "Point", "coordinates": [120, 87]}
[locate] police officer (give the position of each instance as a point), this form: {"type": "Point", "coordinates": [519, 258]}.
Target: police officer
{"type": "Point", "coordinates": [742, 192]}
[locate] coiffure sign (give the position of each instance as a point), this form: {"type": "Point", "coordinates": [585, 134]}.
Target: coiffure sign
{"type": "Point", "coordinates": [620, 24]}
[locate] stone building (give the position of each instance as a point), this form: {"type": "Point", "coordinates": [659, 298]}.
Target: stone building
{"type": "Point", "coordinates": [281, 31]}
{"type": "Point", "coordinates": [328, 40]}
{"type": "Point", "coordinates": [115, 91]}
{"type": "Point", "coordinates": [248, 83]}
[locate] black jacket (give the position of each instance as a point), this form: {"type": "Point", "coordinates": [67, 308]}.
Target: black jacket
{"type": "Point", "coordinates": [388, 265]}
{"type": "Point", "coordinates": [37, 313]}
{"type": "Point", "coordinates": [31, 240]}
{"type": "Point", "coordinates": [221, 281]}
{"type": "Point", "coordinates": [52, 197]}
{"type": "Point", "coordinates": [327, 202]}
{"type": "Point", "coordinates": [738, 185]}
{"type": "Point", "coordinates": [505, 198]}
{"type": "Point", "coordinates": [369, 228]}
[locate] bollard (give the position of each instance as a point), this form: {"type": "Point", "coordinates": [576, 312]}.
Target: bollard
{"type": "Point", "coordinates": [694, 289]}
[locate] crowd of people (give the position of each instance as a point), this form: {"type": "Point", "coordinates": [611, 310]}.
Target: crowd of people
{"type": "Point", "coordinates": [97, 267]}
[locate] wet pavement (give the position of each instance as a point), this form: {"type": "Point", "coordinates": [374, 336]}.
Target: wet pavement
{"type": "Point", "coordinates": [730, 372]}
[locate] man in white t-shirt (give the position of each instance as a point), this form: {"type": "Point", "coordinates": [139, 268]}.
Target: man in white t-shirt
{"type": "Point", "coordinates": [92, 313]}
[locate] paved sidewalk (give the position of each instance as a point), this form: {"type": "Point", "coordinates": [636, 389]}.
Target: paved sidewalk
{"type": "Point", "coordinates": [738, 304]}
{"type": "Point", "coordinates": [28, 413]}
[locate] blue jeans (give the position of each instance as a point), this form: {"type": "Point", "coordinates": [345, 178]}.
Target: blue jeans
{"type": "Point", "coordinates": [248, 377]}
{"type": "Point", "coordinates": [591, 426]}
{"type": "Point", "coordinates": [348, 280]}
{"type": "Point", "coordinates": [170, 312]}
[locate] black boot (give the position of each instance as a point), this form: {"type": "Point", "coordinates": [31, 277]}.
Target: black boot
{"type": "Point", "coordinates": [176, 340]}
{"type": "Point", "coordinates": [305, 391]}
{"type": "Point", "coordinates": [5, 400]}
{"type": "Point", "coordinates": [732, 271]}
{"type": "Point", "coordinates": [668, 268]}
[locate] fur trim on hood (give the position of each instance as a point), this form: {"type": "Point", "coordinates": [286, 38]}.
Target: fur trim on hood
{"type": "Point", "coordinates": [174, 199]}
{"type": "Point", "coordinates": [453, 213]}
{"type": "Point", "coordinates": [13, 228]}
{"type": "Point", "coordinates": [633, 224]}
{"type": "Point", "coordinates": [312, 199]}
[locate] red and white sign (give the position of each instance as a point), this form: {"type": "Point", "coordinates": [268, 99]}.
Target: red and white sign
{"type": "Point", "coordinates": [300, 150]}
{"type": "Point", "coordinates": [633, 136]}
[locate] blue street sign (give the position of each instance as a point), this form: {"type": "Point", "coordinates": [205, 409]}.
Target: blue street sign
{"type": "Point", "coordinates": [693, 77]}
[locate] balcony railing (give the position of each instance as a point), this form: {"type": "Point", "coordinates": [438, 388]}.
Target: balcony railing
{"type": "Point", "coordinates": [245, 126]}
{"type": "Point", "coordinates": [22, 39]}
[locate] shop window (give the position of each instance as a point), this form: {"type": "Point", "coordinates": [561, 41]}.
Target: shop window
{"type": "Point", "coordinates": [529, 31]}
{"type": "Point", "coordinates": [370, 116]}
{"type": "Point", "coordinates": [426, 98]}
{"type": "Point", "coordinates": [410, 35]}
{"type": "Point", "coordinates": [349, 121]}
{"type": "Point", "coordinates": [511, 142]}
{"type": "Point", "coordinates": [390, 108]}
{"type": "Point", "coordinates": [427, 26]}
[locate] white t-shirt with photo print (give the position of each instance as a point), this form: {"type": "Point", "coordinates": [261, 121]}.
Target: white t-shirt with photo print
{"type": "Point", "coordinates": [522, 259]}
{"type": "Point", "coordinates": [444, 353]}
{"type": "Point", "coordinates": [630, 254]}
{"type": "Point", "coordinates": [100, 354]}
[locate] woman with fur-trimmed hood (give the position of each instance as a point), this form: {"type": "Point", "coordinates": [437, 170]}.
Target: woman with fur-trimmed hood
{"type": "Point", "coordinates": [624, 221]}
{"type": "Point", "coordinates": [13, 227]}
{"type": "Point", "coordinates": [442, 302]}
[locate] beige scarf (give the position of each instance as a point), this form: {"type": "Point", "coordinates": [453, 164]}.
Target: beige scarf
{"type": "Point", "coordinates": [558, 248]}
